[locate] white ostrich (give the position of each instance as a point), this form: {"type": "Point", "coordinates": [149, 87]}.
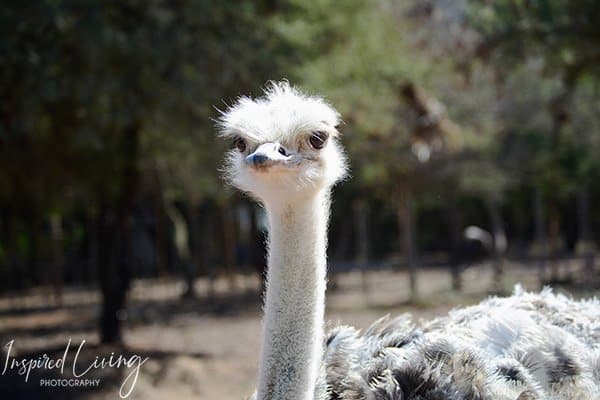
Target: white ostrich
{"type": "Point", "coordinates": [529, 346]}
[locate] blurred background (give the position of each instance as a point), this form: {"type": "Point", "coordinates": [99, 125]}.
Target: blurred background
{"type": "Point", "coordinates": [472, 128]}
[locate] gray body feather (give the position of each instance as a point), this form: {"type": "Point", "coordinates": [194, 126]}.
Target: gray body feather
{"type": "Point", "coordinates": [524, 347]}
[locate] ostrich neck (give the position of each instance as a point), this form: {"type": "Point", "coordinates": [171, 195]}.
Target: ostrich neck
{"type": "Point", "coordinates": [295, 298]}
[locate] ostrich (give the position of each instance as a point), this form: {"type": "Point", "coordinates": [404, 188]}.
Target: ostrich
{"type": "Point", "coordinates": [286, 154]}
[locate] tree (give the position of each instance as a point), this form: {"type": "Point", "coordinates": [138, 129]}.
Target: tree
{"type": "Point", "coordinates": [562, 35]}
{"type": "Point", "coordinates": [378, 84]}
{"type": "Point", "coordinates": [89, 88]}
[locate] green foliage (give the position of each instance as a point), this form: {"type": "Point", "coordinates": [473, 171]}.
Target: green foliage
{"type": "Point", "coordinates": [358, 55]}
{"type": "Point", "coordinates": [76, 75]}
{"type": "Point", "coordinates": [548, 130]}
{"type": "Point", "coordinates": [565, 33]}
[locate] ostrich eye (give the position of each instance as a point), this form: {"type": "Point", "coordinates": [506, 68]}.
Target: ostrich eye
{"type": "Point", "coordinates": [318, 139]}
{"type": "Point", "coordinates": [240, 144]}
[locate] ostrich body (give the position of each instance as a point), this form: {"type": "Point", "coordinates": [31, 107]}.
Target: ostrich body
{"type": "Point", "coordinates": [524, 347]}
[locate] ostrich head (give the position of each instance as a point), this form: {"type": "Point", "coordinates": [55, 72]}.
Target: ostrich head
{"type": "Point", "coordinates": [284, 144]}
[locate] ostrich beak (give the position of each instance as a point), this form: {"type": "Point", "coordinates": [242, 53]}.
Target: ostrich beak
{"type": "Point", "coordinates": [268, 154]}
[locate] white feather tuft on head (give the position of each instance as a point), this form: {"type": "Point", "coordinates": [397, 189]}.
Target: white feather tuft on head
{"type": "Point", "coordinates": [282, 111]}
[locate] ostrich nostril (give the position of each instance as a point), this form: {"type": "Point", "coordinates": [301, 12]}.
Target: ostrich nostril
{"type": "Point", "coordinates": [259, 159]}
{"type": "Point", "coordinates": [282, 151]}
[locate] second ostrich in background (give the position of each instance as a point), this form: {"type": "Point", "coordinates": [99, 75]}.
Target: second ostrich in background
{"type": "Point", "coordinates": [529, 346]}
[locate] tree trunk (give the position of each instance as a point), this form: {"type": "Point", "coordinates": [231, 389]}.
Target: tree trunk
{"type": "Point", "coordinates": [56, 238]}
{"type": "Point", "coordinates": [36, 240]}
{"type": "Point", "coordinates": [257, 256]}
{"type": "Point", "coordinates": [208, 225]}
{"type": "Point", "coordinates": [113, 273]}
{"type": "Point", "coordinates": [407, 227]}
{"type": "Point", "coordinates": [541, 243]}
{"type": "Point", "coordinates": [555, 246]}
{"type": "Point", "coordinates": [92, 246]}
{"type": "Point", "coordinates": [160, 235]}
{"type": "Point", "coordinates": [499, 244]}
{"type": "Point", "coordinates": [361, 216]}
{"type": "Point", "coordinates": [188, 261]}
{"type": "Point", "coordinates": [583, 214]}
{"type": "Point", "coordinates": [229, 243]}
{"type": "Point", "coordinates": [116, 237]}
{"type": "Point", "coordinates": [195, 248]}
{"type": "Point", "coordinates": [342, 248]}
{"type": "Point", "coordinates": [585, 246]}
{"type": "Point", "coordinates": [183, 238]}
{"type": "Point", "coordinates": [13, 279]}
{"type": "Point", "coordinates": [455, 238]}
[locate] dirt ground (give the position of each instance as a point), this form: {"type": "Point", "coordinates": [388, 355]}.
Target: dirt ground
{"type": "Point", "coordinates": [206, 351]}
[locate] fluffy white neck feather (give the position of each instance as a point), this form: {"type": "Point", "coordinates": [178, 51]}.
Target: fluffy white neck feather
{"type": "Point", "coordinates": [295, 297]}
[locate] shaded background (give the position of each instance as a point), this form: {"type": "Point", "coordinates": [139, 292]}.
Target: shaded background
{"type": "Point", "coordinates": [472, 128]}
